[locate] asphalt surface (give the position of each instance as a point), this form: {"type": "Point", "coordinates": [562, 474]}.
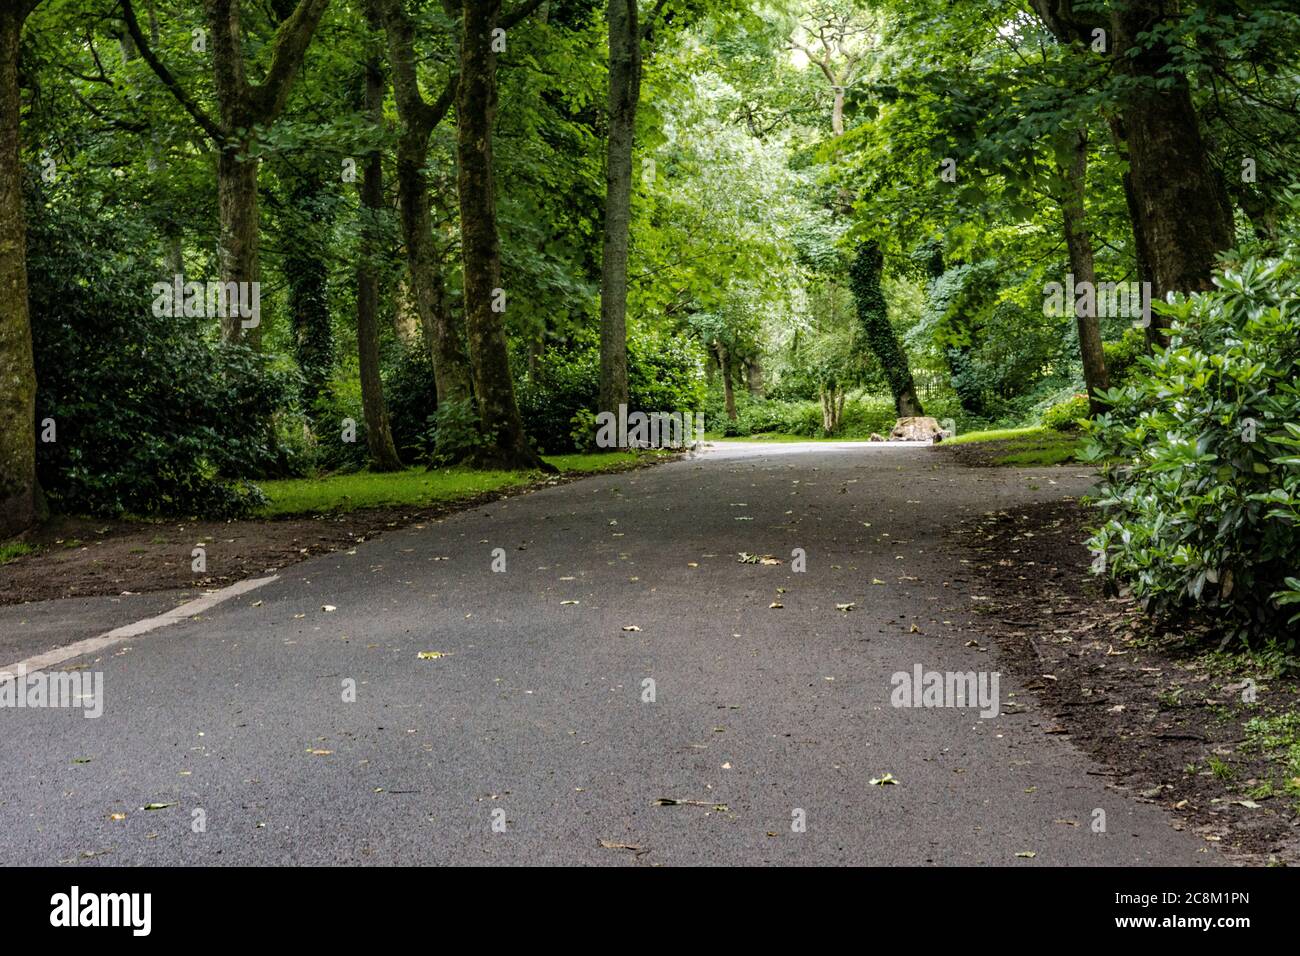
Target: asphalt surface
{"type": "Point", "coordinates": [529, 741]}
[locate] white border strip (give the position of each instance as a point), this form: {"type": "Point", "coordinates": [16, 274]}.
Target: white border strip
{"type": "Point", "coordinates": [93, 645]}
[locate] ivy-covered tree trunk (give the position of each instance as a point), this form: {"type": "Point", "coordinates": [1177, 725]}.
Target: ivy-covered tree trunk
{"type": "Point", "coordinates": [624, 94]}
{"type": "Point", "coordinates": [21, 501]}
{"type": "Point", "coordinates": [476, 103]}
{"type": "Point", "coordinates": [307, 277]}
{"type": "Point", "coordinates": [451, 371]}
{"type": "Point", "coordinates": [379, 436]}
{"type": "Point", "coordinates": [1072, 170]}
{"type": "Point", "coordinates": [873, 318]}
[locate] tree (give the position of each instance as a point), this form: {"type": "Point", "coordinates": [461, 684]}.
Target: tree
{"type": "Point", "coordinates": [419, 118]}
{"type": "Point", "coordinates": [1181, 217]}
{"type": "Point", "coordinates": [242, 106]}
{"type": "Point", "coordinates": [21, 501]}
{"type": "Point", "coordinates": [476, 103]}
{"type": "Point", "coordinates": [624, 94]}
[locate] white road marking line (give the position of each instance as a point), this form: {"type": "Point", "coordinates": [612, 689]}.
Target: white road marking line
{"type": "Point", "coordinates": [93, 645]}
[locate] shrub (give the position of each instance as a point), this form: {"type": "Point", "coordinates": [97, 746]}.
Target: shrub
{"type": "Point", "coordinates": [1067, 415]}
{"type": "Point", "coordinates": [456, 433]}
{"type": "Point", "coordinates": [151, 417]}
{"type": "Point", "coordinates": [1201, 514]}
{"type": "Point", "coordinates": [664, 375]}
{"type": "Point", "coordinates": [1122, 355]}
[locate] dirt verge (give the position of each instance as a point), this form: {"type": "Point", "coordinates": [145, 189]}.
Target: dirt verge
{"type": "Point", "coordinates": [1164, 715]}
{"type": "Point", "coordinates": [80, 557]}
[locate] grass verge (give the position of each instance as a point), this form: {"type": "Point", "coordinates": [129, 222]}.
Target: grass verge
{"type": "Point", "coordinates": [414, 487]}
{"type": "Point", "coordinates": [1022, 447]}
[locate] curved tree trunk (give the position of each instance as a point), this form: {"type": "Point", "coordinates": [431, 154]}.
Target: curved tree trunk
{"type": "Point", "coordinates": [451, 370]}
{"type": "Point", "coordinates": [873, 317]}
{"type": "Point", "coordinates": [476, 102]}
{"type": "Point", "coordinates": [21, 501]}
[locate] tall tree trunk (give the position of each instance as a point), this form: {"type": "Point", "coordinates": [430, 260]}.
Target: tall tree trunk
{"type": "Point", "coordinates": [476, 102]}
{"type": "Point", "coordinates": [1072, 173]}
{"type": "Point", "coordinates": [1180, 202]}
{"type": "Point", "coordinates": [1155, 331]}
{"type": "Point", "coordinates": [451, 370]}
{"type": "Point", "coordinates": [21, 501]}
{"type": "Point", "coordinates": [1181, 216]}
{"type": "Point", "coordinates": [873, 317]}
{"type": "Point", "coordinates": [238, 237]}
{"type": "Point", "coordinates": [379, 437]}
{"type": "Point", "coordinates": [754, 375]}
{"type": "Point", "coordinates": [624, 94]}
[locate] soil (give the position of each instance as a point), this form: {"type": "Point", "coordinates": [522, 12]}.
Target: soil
{"type": "Point", "coordinates": [1146, 702]}
{"type": "Point", "coordinates": [82, 557]}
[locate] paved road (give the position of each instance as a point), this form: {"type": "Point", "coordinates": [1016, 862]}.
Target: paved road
{"type": "Point", "coordinates": [534, 715]}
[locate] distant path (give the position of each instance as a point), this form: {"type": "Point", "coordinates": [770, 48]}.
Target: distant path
{"type": "Point", "coordinates": [536, 708]}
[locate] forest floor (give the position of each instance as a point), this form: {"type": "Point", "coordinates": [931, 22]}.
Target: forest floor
{"type": "Point", "coordinates": [72, 556]}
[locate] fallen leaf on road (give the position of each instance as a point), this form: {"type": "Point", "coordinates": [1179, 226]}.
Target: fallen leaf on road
{"type": "Point", "coordinates": [631, 627]}
{"type": "Point", "coordinates": [611, 845]}
{"type": "Point", "coordinates": [877, 581]}
{"type": "Point", "coordinates": [1027, 854]}
{"type": "Point", "coordinates": [430, 655]}
{"type": "Point", "coordinates": [846, 607]}
{"type": "Point", "coordinates": [570, 602]}
{"type": "Point", "coordinates": [884, 780]}
{"type": "Point", "coordinates": [776, 604]}
{"type": "Point", "coordinates": [318, 753]}
{"type": "Point", "coordinates": [327, 608]}
{"type": "Point", "coordinates": [157, 806]}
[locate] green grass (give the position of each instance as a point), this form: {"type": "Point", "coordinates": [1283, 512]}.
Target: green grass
{"type": "Point", "coordinates": [411, 487]}
{"type": "Point", "coordinates": [13, 550]}
{"type": "Point", "coordinates": [1026, 447]}
{"type": "Point", "coordinates": [1279, 738]}
{"type": "Point", "coordinates": [999, 434]}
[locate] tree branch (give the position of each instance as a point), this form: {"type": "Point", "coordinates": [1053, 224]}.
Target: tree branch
{"type": "Point", "coordinates": [291, 42]}
{"type": "Point", "coordinates": [214, 132]}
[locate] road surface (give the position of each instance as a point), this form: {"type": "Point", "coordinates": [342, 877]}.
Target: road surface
{"type": "Point", "coordinates": [526, 734]}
